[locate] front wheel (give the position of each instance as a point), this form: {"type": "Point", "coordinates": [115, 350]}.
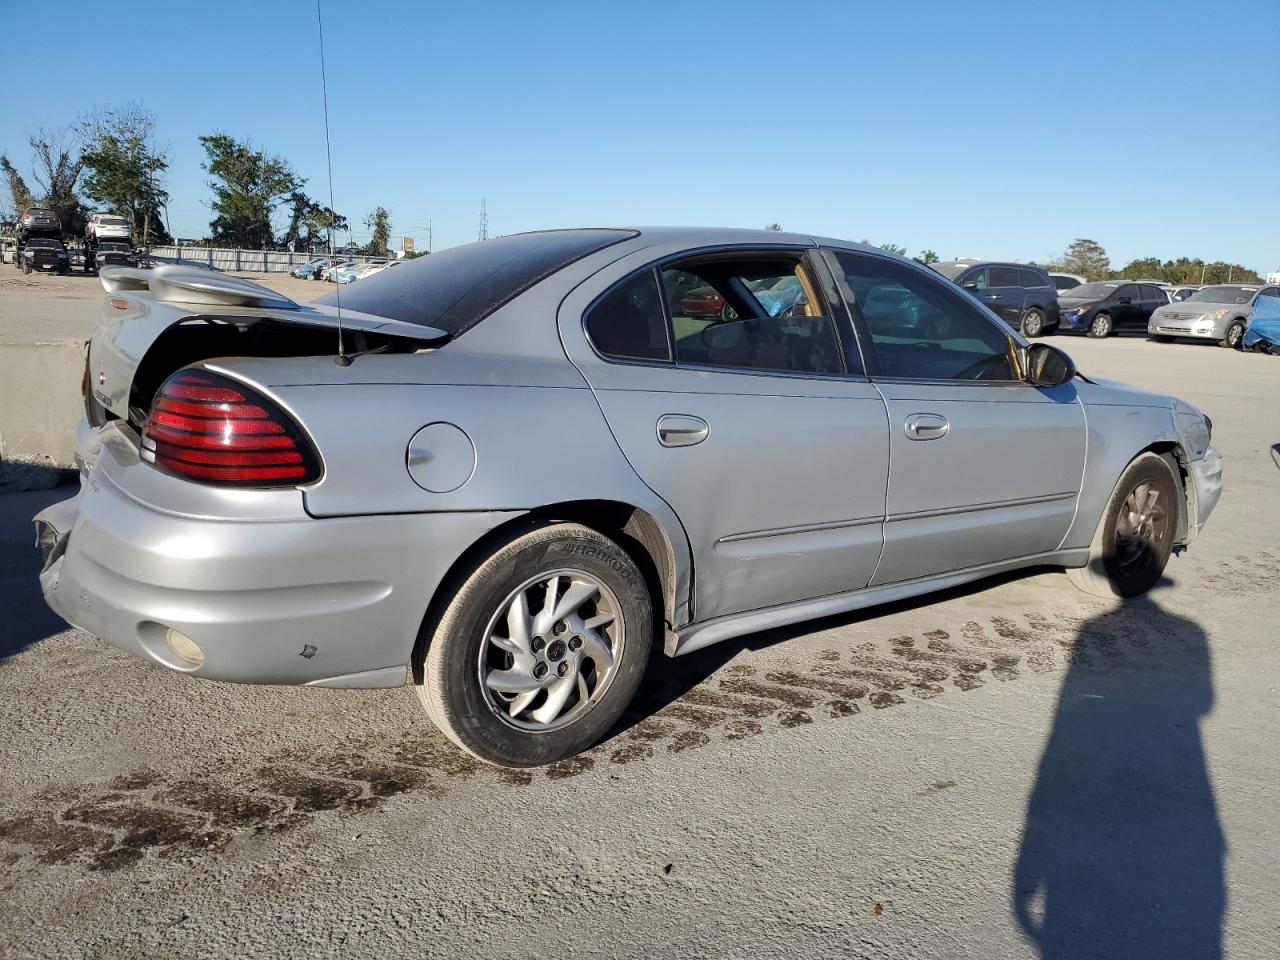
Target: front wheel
{"type": "Point", "coordinates": [1033, 323]}
{"type": "Point", "coordinates": [540, 649]}
{"type": "Point", "coordinates": [1101, 326]}
{"type": "Point", "coordinates": [1232, 338]}
{"type": "Point", "coordinates": [1135, 536]}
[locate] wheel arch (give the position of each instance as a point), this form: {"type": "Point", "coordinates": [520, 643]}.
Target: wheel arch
{"type": "Point", "coordinates": [635, 529]}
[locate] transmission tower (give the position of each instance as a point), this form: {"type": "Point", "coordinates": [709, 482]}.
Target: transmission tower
{"type": "Point", "coordinates": [484, 222]}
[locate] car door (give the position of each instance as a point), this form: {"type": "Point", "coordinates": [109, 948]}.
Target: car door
{"type": "Point", "coordinates": [1127, 307]}
{"type": "Point", "coordinates": [997, 287]}
{"type": "Point", "coordinates": [1152, 298]}
{"type": "Point", "coordinates": [983, 467]}
{"type": "Point", "coordinates": [755, 426]}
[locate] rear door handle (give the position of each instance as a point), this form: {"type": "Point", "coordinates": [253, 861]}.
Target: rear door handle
{"type": "Point", "coordinates": [926, 426]}
{"type": "Point", "coordinates": [681, 430]}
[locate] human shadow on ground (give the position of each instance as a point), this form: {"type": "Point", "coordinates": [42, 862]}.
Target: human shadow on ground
{"type": "Point", "coordinates": [25, 618]}
{"type": "Point", "coordinates": [1122, 851]}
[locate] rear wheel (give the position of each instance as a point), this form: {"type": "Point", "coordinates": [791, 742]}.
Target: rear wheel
{"type": "Point", "coordinates": [1234, 332]}
{"type": "Point", "coordinates": [1033, 323]}
{"type": "Point", "coordinates": [1135, 536]}
{"type": "Point", "coordinates": [1101, 326]}
{"type": "Point", "coordinates": [540, 649]}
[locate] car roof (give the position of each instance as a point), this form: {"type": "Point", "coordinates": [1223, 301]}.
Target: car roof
{"type": "Point", "coordinates": [987, 263]}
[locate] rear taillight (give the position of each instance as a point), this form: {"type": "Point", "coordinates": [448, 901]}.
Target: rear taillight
{"type": "Point", "coordinates": [211, 428]}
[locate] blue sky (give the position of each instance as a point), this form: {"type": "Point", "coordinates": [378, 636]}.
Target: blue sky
{"type": "Point", "coordinates": [984, 129]}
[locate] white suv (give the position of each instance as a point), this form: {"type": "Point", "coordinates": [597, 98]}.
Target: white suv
{"type": "Point", "coordinates": [107, 226]}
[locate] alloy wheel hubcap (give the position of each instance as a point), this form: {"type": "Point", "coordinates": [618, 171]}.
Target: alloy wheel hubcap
{"type": "Point", "coordinates": [1140, 528]}
{"type": "Point", "coordinates": [551, 650]}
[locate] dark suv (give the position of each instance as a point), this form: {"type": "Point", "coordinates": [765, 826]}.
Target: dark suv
{"type": "Point", "coordinates": [1023, 297]}
{"type": "Point", "coordinates": [44, 253]}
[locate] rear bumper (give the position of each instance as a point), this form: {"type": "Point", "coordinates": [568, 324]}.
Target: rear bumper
{"type": "Point", "coordinates": [283, 598]}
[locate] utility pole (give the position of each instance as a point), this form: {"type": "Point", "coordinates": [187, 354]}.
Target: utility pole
{"type": "Point", "coordinates": [429, 250]}
{"type": "Point", "coordinates": [484, 222]}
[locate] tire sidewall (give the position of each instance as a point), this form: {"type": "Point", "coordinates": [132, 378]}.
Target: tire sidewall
{"type": "Point", "coordinates": [1036, 328]}
{"type": "Point", "coordinates": [474, 723]}
{"type": "Point", "coordinates": [1148, 468]}
{"type": "Point", "coordinates": [1227, 341]}
{"type": "Point", "coordinates": [1093, 330]}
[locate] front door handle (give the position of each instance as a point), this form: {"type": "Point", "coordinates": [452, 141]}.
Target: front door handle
{"type": "Point", "coordinates": [680, 430]}
{"type": "Point", "coordinates": [926, 426]}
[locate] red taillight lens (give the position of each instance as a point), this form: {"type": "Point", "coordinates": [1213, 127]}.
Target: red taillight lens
{"type": "Point", "coordinates": [207, 427]}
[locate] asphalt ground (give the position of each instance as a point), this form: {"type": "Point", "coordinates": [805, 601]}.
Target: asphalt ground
{"type": "Point", "coordinates": [1008, 770]}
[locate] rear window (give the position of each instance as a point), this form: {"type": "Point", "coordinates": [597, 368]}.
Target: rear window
{"type": "Point", "coordinates": [455, 289]}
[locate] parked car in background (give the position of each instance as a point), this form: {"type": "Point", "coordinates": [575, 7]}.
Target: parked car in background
{"type": "Point", "coordinates": [1263, 332]}
{"type": "Point", "coordinates": [115, 253]}
{"type": "Point", "coordinates": [311, 270]}
{"type": "Point", "coordinates": [1220, 312]}
{"type": "Point", "coordinates": [384, 515]}
{"type": "Point", "coordinates": [38, 222]}
{"type": "Point", "coordinates": [1023, 297]}
{"type": "Point", "coordinates": [327, 269]}
{"type": "Point", "coordinates": [1179, 293]}
{"type": "Point", "coordinates": [1066, 281]}
{"type": "Point", "coordinates": [1099, 309]}
{"type": "Point", "coordinates": [107, 226]}
{"type": "Point", "coordinates": [45, 254]}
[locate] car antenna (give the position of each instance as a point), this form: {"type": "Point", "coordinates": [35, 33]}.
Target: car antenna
{"type": "Point", "coordinates": [341, 359]}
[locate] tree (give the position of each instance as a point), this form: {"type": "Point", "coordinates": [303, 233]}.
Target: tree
{"type": "Point", "coordinates": [125, 169]}
{"type": "Point", "coordinates": [247, 186]}
{"type": "Point", "coordinates": [893, 248]}
{"type": "Point", "coordinates": [310, 223]}
{"type": "Point", "coordinates": [1087, 258]}
{"type": "Point", "coordinates": [1149, 268]}
{"type": "Point", "coordinates": [379, 224]}
{"type": "Point", "coordinates": [927, 256]}
{"type": "Point", "coordinates": [56, 175]}
{"type": "Point", "coordinates": [19, 192]}
{"type": "Point", "coordinates": [774, 226]}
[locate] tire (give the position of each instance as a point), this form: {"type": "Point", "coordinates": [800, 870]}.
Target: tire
{"type": "Point", "coordinates": [474, 638]}
{"type": "Point", "coordinates": [1033, 323]}
{"type": "Point", "coordinates": [1234, 332]}
{"type": "Point", "coordinates": [26, 269]}
{"type": "Point", "coordinates": [1100, 326]}
{"type": "Point", "coordinates": [1125, 564]}
{"type": "Point", "coordinates": [1160, 338]}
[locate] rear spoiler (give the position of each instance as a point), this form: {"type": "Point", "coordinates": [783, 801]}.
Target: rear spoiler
{"type": "Point", "coordinates": [175, 284]}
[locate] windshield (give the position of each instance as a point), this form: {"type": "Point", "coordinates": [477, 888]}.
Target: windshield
{"type": "Point", "coordinates": [114, 247]}
{"type": "Point", "coordinates": [44, 244]}
{"type": "Point", "coordinates": [1224, 293]}
{"type": "Point", "coordinates": [951, 270]}
{"type": "Point", "coordinates": [455, 289]}
{"type": "Point", "coordinates": [1091, 291]}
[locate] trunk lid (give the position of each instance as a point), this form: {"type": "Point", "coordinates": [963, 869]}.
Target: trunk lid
{"type": "Point", "coordinates": [158, 320]}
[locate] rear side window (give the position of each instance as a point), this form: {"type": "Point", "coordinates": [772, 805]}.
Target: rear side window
{"type": "Point", "coordinates": [1004, 276]}
{"type": "Point", "coordinates": [628, 324]}
{"type": "Point", "coordinates": [1151, 292]}
{"type": "Point", "coordinates": [1032, 279]}
{"type": "Point", "coordinates": [757, 312]}
{"type": "Point", "coordinates": [1129, 290]}
{"type": "Point", "coordinates": [455, 289]}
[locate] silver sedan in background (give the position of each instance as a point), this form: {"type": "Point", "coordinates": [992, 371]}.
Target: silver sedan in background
{"type": "Point", "coordinates": [513, 469]}
{"type": "Point", "coordinates": [1220, 312]}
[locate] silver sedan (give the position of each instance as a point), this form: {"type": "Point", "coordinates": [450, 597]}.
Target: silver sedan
{"type": "Point", "coordinates": [1220, 312]}
{"type": "Point", "coordinates": [512, 470]}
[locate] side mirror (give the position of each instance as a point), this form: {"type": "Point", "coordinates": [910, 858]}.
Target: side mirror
{"type": "Point", "coordinates": [1048, 366]}
{"type": "Point", "coordinates": [970, 285]}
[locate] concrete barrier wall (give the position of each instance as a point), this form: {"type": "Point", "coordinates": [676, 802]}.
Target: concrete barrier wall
{"type": "Point", "coordinates": [40, 401]}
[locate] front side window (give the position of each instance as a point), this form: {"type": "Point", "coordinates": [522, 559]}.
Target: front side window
{"type": "Point", "coordinates": [979, 279]}
{"type": "Point", "coordinates": [920, 329]}
{"type": "Point", "coordinates": [628, 324]}
{"type": "Point", "coordinates": [750, 313]}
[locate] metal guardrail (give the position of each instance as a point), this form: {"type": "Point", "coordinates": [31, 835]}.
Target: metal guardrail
{"type": "Point", "coordinates": [247, 261]}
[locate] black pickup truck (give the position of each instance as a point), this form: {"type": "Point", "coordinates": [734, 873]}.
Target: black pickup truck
{"type": "Point", "coordinates": [44, 253]}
